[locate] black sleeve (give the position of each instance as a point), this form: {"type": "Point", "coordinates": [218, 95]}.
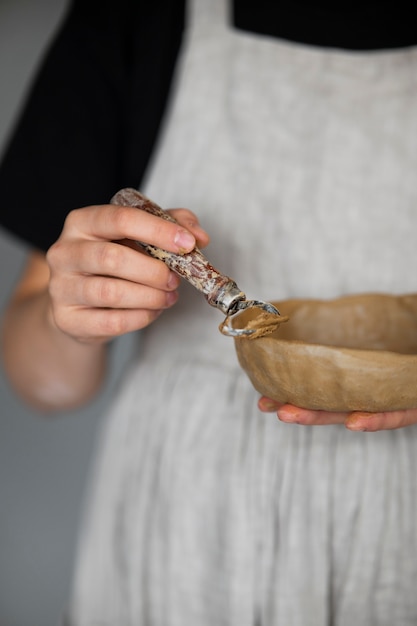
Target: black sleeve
{"type": "Point", "coordinates": [346, 24]}
{"type": "Point", "coordinates": [92, 115]}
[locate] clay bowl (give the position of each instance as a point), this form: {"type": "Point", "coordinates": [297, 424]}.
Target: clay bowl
{"type": "Point", "coordinates": [356, 353]}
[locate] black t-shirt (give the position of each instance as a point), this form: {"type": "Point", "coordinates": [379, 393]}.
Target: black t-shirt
{"type": "Point", "coordinates": [95, 107]}
{"type": "Point", "coordinates": [92, 115]}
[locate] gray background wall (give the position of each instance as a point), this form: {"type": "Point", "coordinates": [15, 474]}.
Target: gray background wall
{"type": "Point", "coordinates": [43, 462]}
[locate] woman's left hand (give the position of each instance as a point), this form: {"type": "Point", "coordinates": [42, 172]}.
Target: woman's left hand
{"type": "Point", "coordinates": [358, 420]}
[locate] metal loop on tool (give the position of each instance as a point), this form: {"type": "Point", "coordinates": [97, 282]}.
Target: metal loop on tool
{"type": "Point", "coordinates": [228, 330]}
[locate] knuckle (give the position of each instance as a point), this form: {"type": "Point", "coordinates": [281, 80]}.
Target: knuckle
{"type": "Point", "coordinates": [106, 291]}
{"type": "Point", "coordinates": [90, 290]}
{"type": "Point", "coordinates": [71, 219]}
{"type": "Point", "coordinates": [403, 419]}
{"type": "Point", "coordinates": [118, 323]}
{"type": "Point", "coordinates": [54, 253]}
{"type": "Point", "coordinates": [122, 218]}
{"type": "Point", "coordinates": [113, 325]}
{"type": "Point", "coordinates": [109, 257]}
{"type": "Point", "coordinates": [157, 232]}
{"type": "Point", "coordinates": [162, 232]}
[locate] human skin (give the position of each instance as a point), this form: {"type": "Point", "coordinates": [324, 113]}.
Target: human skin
{"type": "Point", "coordinates": [355, 421]}
{"type": "Point", "coordinates": [91, 287]}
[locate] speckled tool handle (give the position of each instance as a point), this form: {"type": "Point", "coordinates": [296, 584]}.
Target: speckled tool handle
{"type": "Point", "coordinates": [219, 290]}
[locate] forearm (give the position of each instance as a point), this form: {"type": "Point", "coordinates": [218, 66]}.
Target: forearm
{"type": "Point", "coordinates": [49, 369]}
{"type": "Point", "coordinates": [87, 290]}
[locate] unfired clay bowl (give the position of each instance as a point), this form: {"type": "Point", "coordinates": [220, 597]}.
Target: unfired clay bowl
{"type": "Point", "coordinates": [356, 353]}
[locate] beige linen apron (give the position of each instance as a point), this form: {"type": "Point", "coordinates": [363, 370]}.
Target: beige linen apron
{"type": "Point", "coordinates": [302, 165]}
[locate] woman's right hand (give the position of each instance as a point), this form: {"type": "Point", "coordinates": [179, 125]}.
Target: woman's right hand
{"type": "Point", "coordinates": [100, 286]}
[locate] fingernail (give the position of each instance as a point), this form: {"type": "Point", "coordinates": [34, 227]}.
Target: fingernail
{"type": "Point", "coordinates": [171, 297]}
{"type": "Point", "coordinates": [269, 405]}
{"type": "Point", "coordinates": [173, 280]}
{"type": "Point", "coordinates": [288, 416]}
{"type": "Point", "coordinates": [358, 421]}
{"type": "Point", "coordinates": [184, 240]}
{"type": "Point", "coordinates": [356, 428]}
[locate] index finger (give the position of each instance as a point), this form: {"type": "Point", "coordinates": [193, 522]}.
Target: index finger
{"type": "Point", "coordinates": [112, 222]}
